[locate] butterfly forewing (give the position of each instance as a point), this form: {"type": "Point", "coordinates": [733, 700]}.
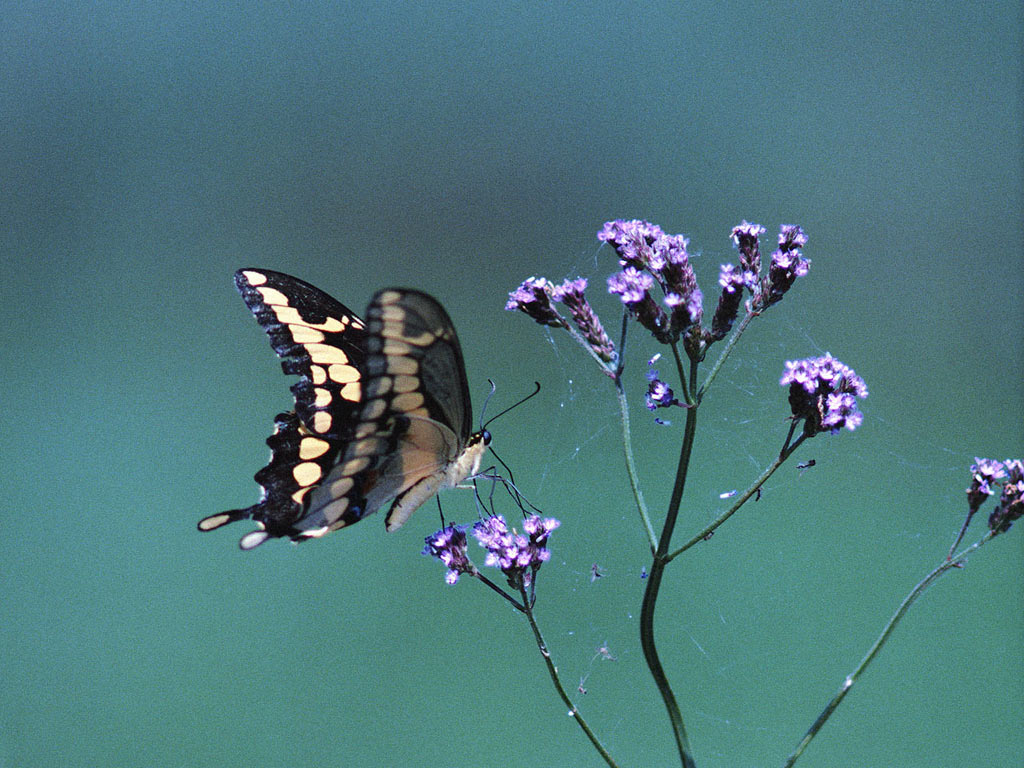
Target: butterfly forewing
{"type": "Point", "coordinates": [317, 338]}
{"type": "Point", "coordinates": [323, 342]}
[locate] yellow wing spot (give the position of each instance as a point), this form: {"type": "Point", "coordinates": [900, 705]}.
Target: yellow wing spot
{"type": "Point", "coordinates": [273, 296]}
{"type": "Point", "coordinates": [290, 316]}
{"type": "Point", "coordinates": [303, 334]}
{"type": "Point", "coordinates": [403, 365]}
{"type": "Point", "coordinates": [322, 421]}
{"type": "Point", "coordinates": [300, 494]}
{"type": "Point", "coordinates": [355, 466]}
{"type": "Point", "coordinates": [214, 521]}
{"type": "Point", "coordinates": [318, 373]}
{"type": "Point", "coordinates": [311, 447]}
{"type": "Point", "coordinates": [323, 397]}
{"type": "Point", "coordinates": [406, 383]}
{"type": "Point", "coordinates": [373, 409]}
{"type": "Point", "coordinates": [306, 473]}
{"type": "Point", "coordinates": [326, 354]}
{"type": "Point", "coordinates": [343, 374]}
{"type": "Point", "coordinates": [254, 278]}
{"type": "Point", "coordinates": [408, 403]}
{"type": "Point", "coordinates": [341, 487]}
{"type": "Point", "coordinates": [352, 392]}
{"type": "Point", "coordinates": [366, 447]}
{"type": "Point", "coordinates": [379, 386]}
{"type": "Point", "coordinates": [395, 347]}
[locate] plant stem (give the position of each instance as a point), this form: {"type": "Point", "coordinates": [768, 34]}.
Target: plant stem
{"type": "Point", "coordinates": [475, 573]}
{"type": "Point", "coordinates": [724, 354]}
{"type": "Point", "coordinates": [553, 671]}
{"type": "Point", "coordinates": [634, 479]}
{"type": "Point", "coordinates": [654, 584]}
{"type": "Point", "coordinates": [706, 533]}
{"type": "Point", "coordinates": [915, 593]}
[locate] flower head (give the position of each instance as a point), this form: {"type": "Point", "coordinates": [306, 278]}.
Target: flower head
{"type": "Point", "coordinates": [746, 238]}
{"type": "Point", "coordinates": [659, 394]}
{"type": "Point", "coordinates": [570, 293]}
{"type": "Point", "coordinates": [823, 392]}
{"type": "Point", "coordinates": [787, 264]}
{"type": "Point", "coordinates": [632, 241]}
{"type": "Point", "coordinates": [732, 282]}
{"type": "Point", "coordinates": [533, 296]}
{"type": "Point", "coordinates": [449, 546]}
{"type": "Point", "coordinates": [1011, 501]}
{"type": "Point", "coordinates": [517, 555]}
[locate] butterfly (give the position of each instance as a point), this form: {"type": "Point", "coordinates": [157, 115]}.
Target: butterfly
{"type": "Point", "coordinates": [382, 410]}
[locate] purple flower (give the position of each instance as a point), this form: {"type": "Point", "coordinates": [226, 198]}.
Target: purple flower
{"type": "Point", "coordinates": [570, 293]}
{"type": "Point", "coordinates": [659, 394]}
{"type": "Point", "coordinates": [517, 555]}
{"type": "Point", "coordinates": [985, 473]}
{"type": "Point", "coordinates": [449, 546]}
{"type": "Point", "coordinates": [1011, 501]}
{"type": "Point", "coordinates": [732, 283]}
{"type": "Point", "coordinates": [633, 287]}
{"type": "Point", "coordinates": [745, 236]}
{"type": "Point", "coordinates": [533, 297]}
{"type": "Point", "coordinates": [787, 264]}
{"type": "Point", "coordinates": [823, 392]}
{"type": "Point", "coordinates": [632, 240]}
{"type": "Point", "coordinates": [791, 237]}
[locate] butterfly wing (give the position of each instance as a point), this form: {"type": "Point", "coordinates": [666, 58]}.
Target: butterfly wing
{"type": "Point", "coordinates": [412, 437]}
{"type": "Point", "coordinates": [324, 343]}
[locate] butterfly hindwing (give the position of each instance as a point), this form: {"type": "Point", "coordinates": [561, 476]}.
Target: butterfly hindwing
{"type": "Point", "coordinates": [413, 431]}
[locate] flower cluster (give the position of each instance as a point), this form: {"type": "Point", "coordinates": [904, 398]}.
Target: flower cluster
{"type": "Point", "coordinates": [824, 393]}
{"type": "Point", "coordinates": [449, 546]}
{"type": "Point", "coordinates": [570, 293]}
{"type": "Point", "coordinates": [1011, 500]}
{"type": "Point", "coordinates": [659, 394]}
{"type": "Point", "coordinates": [534, 297]}
{"type": "Point", "coordinates": [518, 555]}
{"type": "Point", "coordinates": [647, 256]}
{"type": "Point", "coordinates": [787, 263]}
{"type": "Point", "coordinates": [732, 282]}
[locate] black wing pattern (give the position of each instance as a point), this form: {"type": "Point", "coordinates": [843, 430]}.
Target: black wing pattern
{"type": "Point", "coordinates": [398, 413]}
{"type": "Point", "coordinates": [324, 343]}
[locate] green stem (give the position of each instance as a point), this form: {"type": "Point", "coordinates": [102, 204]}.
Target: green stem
{"type": "Point", "coordinates": [915, 593]}
{"type": "Point", "coordinates": [553, 671]}
{"type": "Point", "coordinates": [706, 533]}
{"type": "Point", "coordinates": [476, 574]}
{"type": "Point", "coordinates": [725, 353]}
{"type": "Point", "coordinates": [654, 584]}
{"type": "Point", "coordinates": [634, 479]}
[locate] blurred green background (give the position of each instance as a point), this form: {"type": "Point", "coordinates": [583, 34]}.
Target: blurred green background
{"type": "Point", "coordinates": [150, 149]}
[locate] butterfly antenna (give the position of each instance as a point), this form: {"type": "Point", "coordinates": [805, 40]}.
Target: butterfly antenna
{"type": "Point", "coordinates": [514, 405]}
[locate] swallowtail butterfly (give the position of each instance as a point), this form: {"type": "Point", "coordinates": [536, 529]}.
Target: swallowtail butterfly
{"type": "Point", "coordinates": [382, 409]}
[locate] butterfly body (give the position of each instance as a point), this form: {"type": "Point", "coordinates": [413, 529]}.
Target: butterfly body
{"type": "Point", "coordinates": [382, 410]}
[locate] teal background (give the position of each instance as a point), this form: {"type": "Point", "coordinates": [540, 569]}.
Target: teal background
{"type": "Point", "coordinates": [150, 149]}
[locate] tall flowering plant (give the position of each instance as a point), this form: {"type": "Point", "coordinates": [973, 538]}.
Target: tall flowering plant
{"type": "Point", "coordinates": [659, 292]}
